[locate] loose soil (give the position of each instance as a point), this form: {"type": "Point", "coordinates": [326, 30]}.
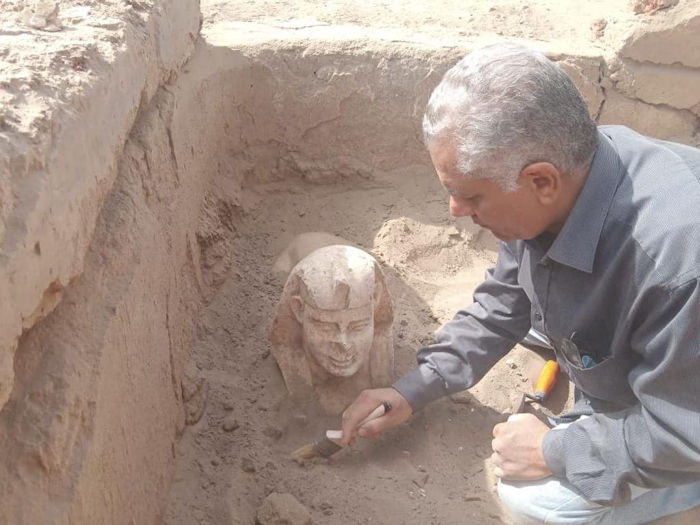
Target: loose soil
{"type": "Point", "coordinates": [435, 468]}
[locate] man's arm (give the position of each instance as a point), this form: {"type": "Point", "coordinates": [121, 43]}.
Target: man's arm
{"type": "Point", "coordinates": [465, 349]}
{"type": "Point", "coordinates": [657, 442]}
{"type": "Point", "coordinates": [478, 336]}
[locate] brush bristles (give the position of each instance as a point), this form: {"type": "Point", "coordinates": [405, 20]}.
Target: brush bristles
{"type": "Point", "coordinates": [305, 452]}
{"type": "Point", "coordinates": [322, 446]}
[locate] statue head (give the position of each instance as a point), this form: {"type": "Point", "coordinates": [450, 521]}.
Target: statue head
{"type": "Point", "coordinates": [334, 321]}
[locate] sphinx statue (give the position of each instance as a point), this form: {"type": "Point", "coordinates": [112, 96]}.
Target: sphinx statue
{"type": "Point", "coordinates": [332, 333]}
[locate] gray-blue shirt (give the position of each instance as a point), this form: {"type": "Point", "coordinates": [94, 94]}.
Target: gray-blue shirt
{"type": "Point", "coordinates": [618, 294]}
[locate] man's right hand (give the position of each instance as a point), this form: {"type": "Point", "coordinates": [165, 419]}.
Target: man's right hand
{"type": "Point", "coordinates": [364, 404]}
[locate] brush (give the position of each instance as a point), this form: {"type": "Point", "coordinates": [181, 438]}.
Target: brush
{"type": "Point", "coordinates": [329, 442]}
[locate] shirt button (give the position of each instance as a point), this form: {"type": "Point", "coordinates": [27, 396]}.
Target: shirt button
{"type": "Point", "coordinates": [538, 316]}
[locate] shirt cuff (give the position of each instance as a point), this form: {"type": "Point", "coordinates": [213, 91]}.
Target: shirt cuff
{"type": "Point", "coordinates": [420, 387]}
{"type": "Point", "coordinates": [553, 452]}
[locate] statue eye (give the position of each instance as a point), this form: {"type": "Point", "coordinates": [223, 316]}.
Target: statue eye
{"type": "Point", "coordinates": [358, 325]}
{"type": "Point", "coordinates": [324, 327]}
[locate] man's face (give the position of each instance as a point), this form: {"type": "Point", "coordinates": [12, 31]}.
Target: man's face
{"type": "Point", "coordinates": [338, 340]}
{"type": "Point", "coordinates": [508, 215]}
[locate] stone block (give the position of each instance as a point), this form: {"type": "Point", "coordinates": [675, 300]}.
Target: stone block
{"type": "Point", "coordinates": [670, 37]}
{"type": "Point", "coordinates": [654, 121]}
{"type": "Point", "coordinates": [674, 86]}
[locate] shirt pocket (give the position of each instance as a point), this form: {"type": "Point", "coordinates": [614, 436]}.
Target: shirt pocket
{"type": "Point", "coordinates": [605, 380]}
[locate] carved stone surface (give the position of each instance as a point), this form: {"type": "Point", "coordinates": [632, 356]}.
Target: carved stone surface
{"type": "Point", "coordinates": [332, 333]}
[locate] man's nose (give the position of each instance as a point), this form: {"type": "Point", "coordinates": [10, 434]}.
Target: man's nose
{"type": "Point", "coordinates": [460, 207]}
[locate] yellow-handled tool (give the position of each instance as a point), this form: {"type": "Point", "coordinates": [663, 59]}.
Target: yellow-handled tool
{"type": "Point", "coordinates": [545, 383]}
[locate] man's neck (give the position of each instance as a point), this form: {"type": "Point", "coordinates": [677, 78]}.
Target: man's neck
{"type": "Point", "coordinates": [573, 184]}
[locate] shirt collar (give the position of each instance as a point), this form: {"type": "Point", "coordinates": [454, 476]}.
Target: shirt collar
{"type": "Point", "coordinates": [577, 241]}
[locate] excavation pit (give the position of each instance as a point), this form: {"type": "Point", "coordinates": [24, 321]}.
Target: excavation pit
{"type": "Point", "coordinates": [317, 140]}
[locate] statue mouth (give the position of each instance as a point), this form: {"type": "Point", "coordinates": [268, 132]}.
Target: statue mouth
{"type": "Point", "coordinates": [342, 361]}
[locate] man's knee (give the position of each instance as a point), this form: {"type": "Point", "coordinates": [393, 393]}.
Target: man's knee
{"type": "Point", "coordinates": [547, 501]}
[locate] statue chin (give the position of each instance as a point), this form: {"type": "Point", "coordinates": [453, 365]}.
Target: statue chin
{"type": "Point", "coordinates": [344, 371]}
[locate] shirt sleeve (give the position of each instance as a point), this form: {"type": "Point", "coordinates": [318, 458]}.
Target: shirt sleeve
{"type": "Point", "coordinates": [655, 443]}
{"type": "Point", "coordinates": [478, 336]}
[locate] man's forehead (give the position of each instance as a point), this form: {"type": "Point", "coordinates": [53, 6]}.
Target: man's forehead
{"type": "Point", "coordinates": [444, 156]}
{"type": "Point", "coordinates": [458, 185]}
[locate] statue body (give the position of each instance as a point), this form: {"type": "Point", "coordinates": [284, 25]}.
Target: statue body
{"type": "Point", "coordinates": [332, 333]}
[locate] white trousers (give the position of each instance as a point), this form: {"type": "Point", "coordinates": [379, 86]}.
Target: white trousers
{"type": "Point", "coordinates": [553, 501]}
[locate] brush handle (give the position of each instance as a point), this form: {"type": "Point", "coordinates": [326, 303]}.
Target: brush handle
{"type": "Point", "coordinates": [337, 435]}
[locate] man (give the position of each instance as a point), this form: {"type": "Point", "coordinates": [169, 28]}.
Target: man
{"type": "Point", "coordinates": [600, 253]}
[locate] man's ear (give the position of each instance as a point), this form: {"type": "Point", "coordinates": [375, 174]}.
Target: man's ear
{"type": "Point", "coordinates": [297, 305]}
{"type": "Point", "coordinates": [544, 180]}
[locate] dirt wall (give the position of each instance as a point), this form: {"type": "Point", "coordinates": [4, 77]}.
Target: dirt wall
{"type": "Point", "coordinates": [97, 289]}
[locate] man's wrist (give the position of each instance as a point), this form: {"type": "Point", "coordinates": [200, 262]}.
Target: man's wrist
{"type": "Point", "coordinates": [419, 387]}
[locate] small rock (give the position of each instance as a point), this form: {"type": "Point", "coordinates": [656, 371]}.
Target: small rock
{"type": "Point", "coordinates": [195, 395]}
{"type": "Point", "coordinates": [511, 363]}
{"type": "Point", "coordinates": [230, 424]}
{"type": "Point", "coordinates": [326, 508]}
{"type": "Point", "coordinates": [462, 398]}
{"type": "Point", "coordinates": [247, 465]}
{"type": "Point", "coordinates": [272, 432]}
{"type": "Point", "coordinates": [228, 406]}
{"type": "Point", "coordinates": [282, 508]}
{"type": "Point", "coordinates": [421, 480]}
{"type": "Point", "coordinates": [598, 27]}
{"type": "Point", "coordinates": [43, 14]}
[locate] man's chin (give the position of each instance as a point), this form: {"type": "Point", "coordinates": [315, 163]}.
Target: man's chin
{"type": "Point", "coordinates": [503, 237]}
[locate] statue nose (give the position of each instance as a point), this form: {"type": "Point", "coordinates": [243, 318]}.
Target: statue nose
{"type": "Point", "coordinates": [343, 341]}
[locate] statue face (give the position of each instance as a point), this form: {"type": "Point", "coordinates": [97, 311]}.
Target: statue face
{"type": "Point", "coordinates": [339, 341]}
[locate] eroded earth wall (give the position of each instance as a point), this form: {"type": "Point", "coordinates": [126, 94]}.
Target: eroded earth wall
{"type": "Point", "coordinates": [654, 78]}
{"type": "Point", "coordinates": [96, 280]}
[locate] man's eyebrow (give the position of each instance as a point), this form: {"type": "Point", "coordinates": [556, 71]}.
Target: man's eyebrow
{"type": "Point", "coordinates": [457, 193]}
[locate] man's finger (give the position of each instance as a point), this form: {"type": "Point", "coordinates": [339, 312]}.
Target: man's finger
{"type": "Point", "coordinates": [372, 429]}
{"type": "Point", "coordinates": [497, 429]}
{"type": "Point", "coordinates": [354, 415]}
{"type": "Point", "coordinates": [366, 402]}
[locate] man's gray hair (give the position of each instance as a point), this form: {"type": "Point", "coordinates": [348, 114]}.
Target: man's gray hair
{"type": "Point", "coordinates": [505, 106]}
